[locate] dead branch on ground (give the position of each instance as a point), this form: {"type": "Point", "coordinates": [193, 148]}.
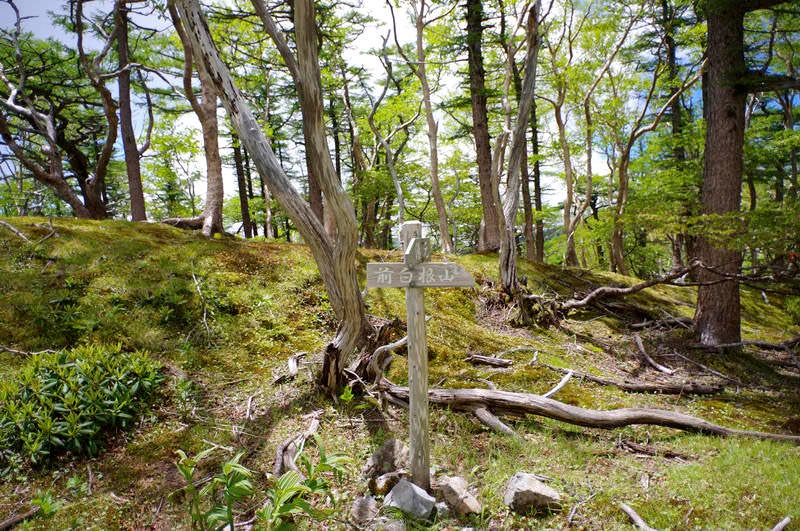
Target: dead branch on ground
{"type": "Point", "coordinates": [783, 524]}
{"type": "Point", "coordinates": [709, 369]}
{"type": "Point", "coordinates": [13, 229]}
{"type": "Point", "coordinates": [522, 404]}
{"type": "Point", "coordinates": [650, 361]}
{"type": "Point", "coordinates": [637, 520]}
{"type": "Point", "coordinates": [478, 359]}
{"type": "Point", "coordinates": [682, 388]}
{"type": "Point", "coordinates": [12, 521]}
{"type": "Point", "coordinates": [294, 368]}
{"type": "Point", "coordinates": [25, 353]}
{"type": "Point", "coordinates": [289, 449]}
{"type": "Point", "coordinates": [666, 322]}
{"type": "Point", "coordinates": [560, 385]}
{"type": "Point", "coordinates": [609, 291]}
{"type": "Point", "coordinates": [644, 449]}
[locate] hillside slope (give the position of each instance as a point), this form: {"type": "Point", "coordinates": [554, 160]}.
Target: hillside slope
{"type": "Point", "coordinates": [222, 317]}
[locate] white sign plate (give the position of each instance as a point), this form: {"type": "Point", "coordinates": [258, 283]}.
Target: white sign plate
{"type": "Point", "coordinates": [424, 275]}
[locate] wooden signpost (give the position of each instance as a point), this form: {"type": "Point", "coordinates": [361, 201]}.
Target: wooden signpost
{"type": "Point", "coordinates": [414, 274]}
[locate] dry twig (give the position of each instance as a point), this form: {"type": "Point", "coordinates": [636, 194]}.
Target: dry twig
{"type": "Point", "coordinates": [13, 229]}
{"type": "Point", "coordinates": [637, 520]}
{"type": "Point", "coordinates": [559, 385]}
{"type": "Point", "coordinates": [650, 361]}
{"type": "Point", "coordinates": [12, 521]}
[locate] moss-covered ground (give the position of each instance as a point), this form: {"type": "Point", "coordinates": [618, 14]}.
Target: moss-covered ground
{"type": "Point", "coordinates": [222, 316]}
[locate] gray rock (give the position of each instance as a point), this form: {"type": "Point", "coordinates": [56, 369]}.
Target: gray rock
{"type": "Point", "coordinates": [387, 524]}
{"type": "Point", "coordinates": [455, 493]}
{"type": "Point", "coordinates": [410, 499]}
{"type": "Point", "coordinates": [443, 510]}
{"type": "Point", "coordinates": [525, 494]}
{"type": "Point", "coordinates": [382, 484]}
{"type": "Point", "coordinates": [364, 509]}
{"type": "Point", "coordinates": [392, 456]}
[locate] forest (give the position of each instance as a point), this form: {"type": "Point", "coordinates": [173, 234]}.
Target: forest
{"type": "Point", "coordinates": [190, 195]}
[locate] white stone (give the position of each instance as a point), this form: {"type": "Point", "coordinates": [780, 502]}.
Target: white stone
{"type": "Point", "coordinates": [524, 494]}
{"type": "Point", "coordinates": [455, 493]}
{"type": "Point", "coordinates": [410, 499]}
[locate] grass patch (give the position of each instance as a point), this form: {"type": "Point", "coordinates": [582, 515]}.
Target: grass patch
{"type": "Point", "coordinates": [223, 315]}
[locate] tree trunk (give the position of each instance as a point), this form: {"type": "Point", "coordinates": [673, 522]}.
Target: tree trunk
{"type": "Point", "coordinates": [343, 290]}
{"type": "Point", "coordinates": [676, 112]}
{"type": "Point", "coordinates": [209, 124]}
{"type": "Point", "coordinates": [537, 187]}
{"type": "Point", "coordinates": [718, 310]}
{"type": "Point", "coordinates": [433, 133]}
{"type": "Point", "coordinates": [52, 177]}
{"type": "Point", "coordinates": [529, 229]}
{"type": "Point", "coordinates": [132, 163]}
{"type": "Point", "coordinates": [336, 262]}
{"type": "Point", "coordinates": [617, 241]}
{"type": "Point", "coordinates": [489, 237]}
{"type": "Point", "coordinates": [570, 221]}
{"type": "Point", "coordinates": [242, 181]}
{"type": "Point", "coordinates": [508, 255]}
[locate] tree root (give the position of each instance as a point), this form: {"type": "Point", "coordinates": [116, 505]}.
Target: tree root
{"type": "Point", "coordinates": [521, 404]}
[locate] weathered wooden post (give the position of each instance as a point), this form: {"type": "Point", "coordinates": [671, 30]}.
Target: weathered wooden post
{"type": "Point", "coordinates": [414, 274]}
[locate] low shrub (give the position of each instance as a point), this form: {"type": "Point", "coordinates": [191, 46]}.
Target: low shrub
{"type": "Point", "coordinates": [67, 400]}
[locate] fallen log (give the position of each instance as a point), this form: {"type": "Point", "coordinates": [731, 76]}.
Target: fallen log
{"type": "Point", "coordinates": [521, 404]}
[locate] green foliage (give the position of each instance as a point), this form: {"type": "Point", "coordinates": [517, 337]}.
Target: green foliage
{"type": "Point", "coordinates": [168, 175]}
{"type": "Point", "coordinates": [65, 401]}
{"type": "Point", "coordinates": [290, 495]}
{"type": "Point", "coordinates": [213, 505]}
{"type": "Point", "coordinates": [47, 503]}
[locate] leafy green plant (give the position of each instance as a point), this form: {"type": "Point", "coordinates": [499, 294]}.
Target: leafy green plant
{"type": "Point", "coordinates": [187, 467]}
{"type": "Point", "coordinates": [211, 507]}
{"type": "Point", "coordinates": [63, 401]}
{"type": "Point", "coordinates": [230, 486]}
{"type": "Point", "coordinates": [284, 499]}
{"type": "Point", "coordinates": [290, 494]}
{"type": "Point", "coordinates": [46, 502]}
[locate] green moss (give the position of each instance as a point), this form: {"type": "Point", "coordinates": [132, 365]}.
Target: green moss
{"type": "Point", "coordinates": [224, 315]}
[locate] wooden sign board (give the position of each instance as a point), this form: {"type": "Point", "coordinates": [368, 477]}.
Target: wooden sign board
{"type": "Point", "coordinates": [424, 275]}
{"type": "Point", "coordinates": [415, 273]}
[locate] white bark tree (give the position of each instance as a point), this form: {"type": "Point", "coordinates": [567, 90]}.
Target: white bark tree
{"type": "Point", "coordinates": [336, 259]}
